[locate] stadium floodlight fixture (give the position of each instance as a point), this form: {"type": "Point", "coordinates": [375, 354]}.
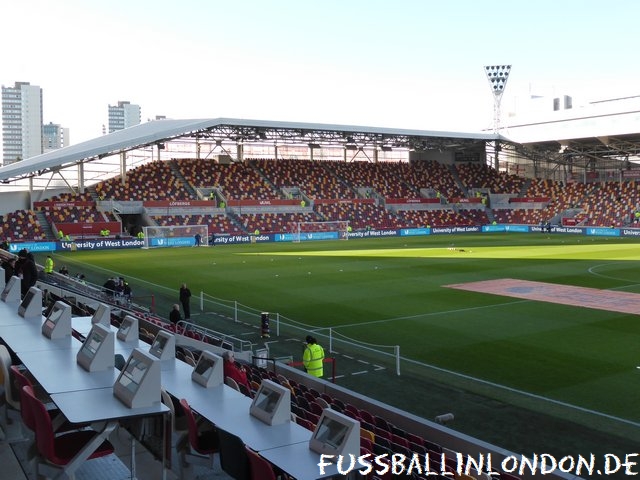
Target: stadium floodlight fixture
{"type": "Point", "coordinates": [497, 76]}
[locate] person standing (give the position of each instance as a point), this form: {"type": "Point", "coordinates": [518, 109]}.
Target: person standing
{"type": "Point", "coordinates": [313, 357]}
{"type": "Point", "coordinates": [185, 300]}
{"type": "Point", "coordinates": [48, 264]}
{"type": "Point", "coordinates": [29, 273]}
{"type": "Point", "coordinates": [9, 268]}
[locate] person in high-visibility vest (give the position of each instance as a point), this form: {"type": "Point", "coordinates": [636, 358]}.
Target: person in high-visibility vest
{"type": "Point", "coordinates": [312, 357]}
{"type": "Point", "coordinates": [48, 265]}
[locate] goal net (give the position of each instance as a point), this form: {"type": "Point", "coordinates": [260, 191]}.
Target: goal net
{"type": "Point", "coordinates": [176, 236]}
{"type": "Point", "coordinates": [333, 230]}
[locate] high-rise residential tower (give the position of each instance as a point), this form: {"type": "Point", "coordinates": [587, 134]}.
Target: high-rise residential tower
{"type": "Point", "coordinates": [54, 137]}
{"type": "Point", "coordinates": [21, 122]}
{"type": "Point", "coordinates": [123, 115]}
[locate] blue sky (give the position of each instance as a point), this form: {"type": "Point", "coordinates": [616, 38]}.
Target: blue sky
{"type": "Point", "coordinates": [402, 63]}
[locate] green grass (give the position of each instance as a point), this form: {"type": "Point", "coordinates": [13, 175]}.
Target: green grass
{"type": "Point", "coordinates": [392, 292]}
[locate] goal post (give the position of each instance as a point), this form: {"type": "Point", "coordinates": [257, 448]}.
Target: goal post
{"type": "Point", "coordinates": [329, 230]}
{"type": "Point", "coordinates": [176, 236]}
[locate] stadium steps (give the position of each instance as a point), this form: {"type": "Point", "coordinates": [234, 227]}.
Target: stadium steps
{"type": "Point", "coordinates": [490, 215]}
{"type": "Point", "coordinates": [456, 177]}
{"type": "Point", "coordinates": [46, 226]}
{"type": "Point", "coordinates": [236, 221]}
{"type": "Point", "coordinates": [525, 187]}
{"type": "Point", "coordinates": [266, 179]}
{"type": "Point", "coordinates": [92, 191]}
{"type": "Point", "coordinates": [341, 180]}
{"type": "Point", "coordinates": [173, 165]}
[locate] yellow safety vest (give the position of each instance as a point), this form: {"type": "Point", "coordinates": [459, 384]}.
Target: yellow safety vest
{"type": "Point", "coordinates": [312, 359]}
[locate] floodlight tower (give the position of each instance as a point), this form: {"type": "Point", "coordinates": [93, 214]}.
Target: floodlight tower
{"type": "Point", "coordinates": [497, 76]}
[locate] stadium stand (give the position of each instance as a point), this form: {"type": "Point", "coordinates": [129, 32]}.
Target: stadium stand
{"type": "Point", "coordinates": [260, 179]}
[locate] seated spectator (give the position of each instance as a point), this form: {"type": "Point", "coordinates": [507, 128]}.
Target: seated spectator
{"type": "Point", "coordinates": [110, 287]}
{"type": "Point", "coordinates": [63, 270]}
{"type": "Point", "coordinates": [234, 371]}
{"type": "Point", "coordinates": [174, 315]}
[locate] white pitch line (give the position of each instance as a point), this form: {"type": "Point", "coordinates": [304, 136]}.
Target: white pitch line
{"type": "Point", "coordinates": [592, 271]}
{"type": "Point", "coordinates": [360, 373]}
{"type": "Point", "coordinates": [422, 315]}
{"type": "Point", "coordinates": [363, 361]}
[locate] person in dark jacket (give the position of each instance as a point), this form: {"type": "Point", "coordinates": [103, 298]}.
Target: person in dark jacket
{"type": "Point", "coordinates": [29, 272]}
{"type": "Point", "coordinates": [110, 287]}
{"type": "Point", "coordinates": [185, 300]}
{"type": "Point", "coordinates": [9, 268]}
{"type": "Point", "coordinates": [174, 315]}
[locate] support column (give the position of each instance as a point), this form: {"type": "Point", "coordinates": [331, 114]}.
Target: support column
{"type": "Point", "coordinates": [123, 167]}
{"type": "Point", "coordinates": [81, 177]}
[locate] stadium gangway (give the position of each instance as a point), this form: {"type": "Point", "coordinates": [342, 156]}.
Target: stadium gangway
{"type": "Point", "coordinates": [220, 339]}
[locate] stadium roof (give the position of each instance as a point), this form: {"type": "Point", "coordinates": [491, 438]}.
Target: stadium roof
{"type": "Point", "coordinates": [239, 131]}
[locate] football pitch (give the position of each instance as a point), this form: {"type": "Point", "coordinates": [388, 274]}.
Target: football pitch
{"type": "Point", "coordinates": [554, 358]}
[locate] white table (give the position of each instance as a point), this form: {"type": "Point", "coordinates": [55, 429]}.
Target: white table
{"type": "Point", "coordinates": [299, 461]}
{"type": "Point", "coordinates": [228, 409]}
{"type": "Point", "coordinates": [26, 337]}
{"type": "Point", "coordinates": [58, 371]}
{"type": "Point", "coordinates": [100, 405]}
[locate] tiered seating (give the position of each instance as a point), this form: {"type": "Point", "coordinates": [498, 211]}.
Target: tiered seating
{"type": "Point", "coordinates": [20, 226]}
{"type": "Point", "coordinates": [314, 178]}
{"type": "Point", "coordinates": [75, 214]}
{"type": "Point", "coordinates": [384, 177]}
{"type": "Point", "coordinates": [474, 215]}
{"type": "Point", "coordinates": [360, 215]}
{"type": "Point", "coordinates": [617, 203]}
{"type": "Point", "coordinates": [475, 175]}
{"type": "Point", "coordinates": [520, 216]}
{"type": "Point", "coordinates": [274, 222]}
{"type": "Point", "coordinates": [378, 435]}
{"type": "Point", "coordinates": [562, 196]}
{"type": "Point", "coordinates": [152, 181]}
{"type": "Point", "coordinates": [237, 181]}
{"type": "Point", "coordinates": [217, 224]}
{"type": "Point", "coordinates": [431, 174]}
{"type": "Point", "coordinates": [72, 197]}
{"type": "Point", "coordinates": [436, 218]}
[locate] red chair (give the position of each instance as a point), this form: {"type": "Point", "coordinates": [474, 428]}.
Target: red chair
{"type": "Point", "coordinates": [315, 407]}
{"type": "Point", "coordinates": [398, 440]}
{"type": "Point", "coordinates": [261, 469]}
{"type": "Point", "coordinates": [303, 422]}
{"type": "Point", "coordinates": [21, 381]}
{"type": "Point", "coordinates": [65, 453]}
{"type": "Point", "coordinates": [203, 444]}
{"type": "Point", "coordinates": [366, 416]}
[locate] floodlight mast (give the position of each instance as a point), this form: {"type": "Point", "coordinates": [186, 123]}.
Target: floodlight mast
{"type": "Point", "coordinates": [497, 76]}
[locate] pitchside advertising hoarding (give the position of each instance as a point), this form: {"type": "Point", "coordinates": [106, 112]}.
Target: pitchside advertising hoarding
{"type": "Point", "coordinates": [106, 244]}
